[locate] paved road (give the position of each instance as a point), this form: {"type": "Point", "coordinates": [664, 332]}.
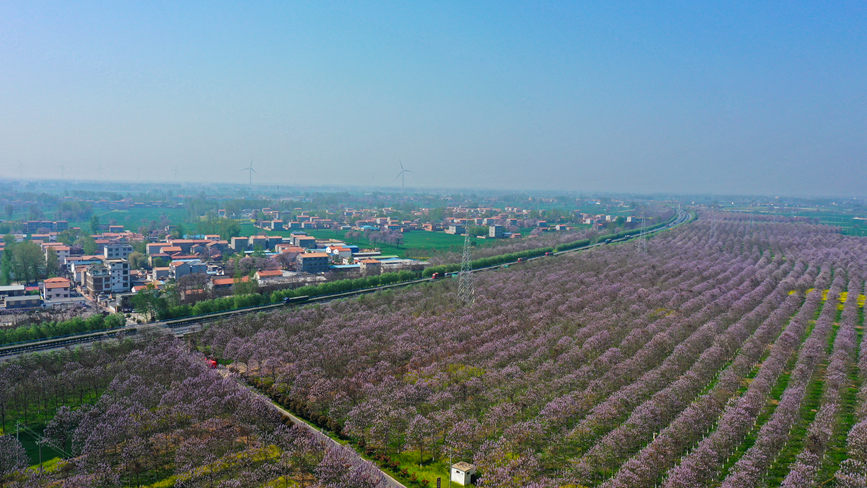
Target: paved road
{"type": "Point", "coordinates": [388, 481]}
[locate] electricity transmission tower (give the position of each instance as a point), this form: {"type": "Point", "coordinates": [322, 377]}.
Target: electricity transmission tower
{"type": "Point", "coordinates": [465, 279]}
{"type": "Point", "coordinates": [641, 248]}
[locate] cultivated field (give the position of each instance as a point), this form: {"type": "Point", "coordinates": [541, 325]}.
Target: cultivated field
{"type": "Point", "coordinates": [729, 354]}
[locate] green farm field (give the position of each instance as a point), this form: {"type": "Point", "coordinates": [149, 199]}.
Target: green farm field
{"type": "Point", "coordinates": [416, 244]}
{"type": "Point", "coordinates": [849, 224]}
{"type": "Point", "coordinates": [134, 218]}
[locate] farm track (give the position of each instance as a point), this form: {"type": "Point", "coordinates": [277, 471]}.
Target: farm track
{"type": "Point", "coordinates": [318, 434]}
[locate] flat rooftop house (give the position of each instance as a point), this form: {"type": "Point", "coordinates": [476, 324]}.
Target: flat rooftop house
{"type": "Point", "coordinates": [269, 273]}
{"type": "Point", "coordinates": [23, 302]}
{"type": "Point", "coordinates": [462, 473]}
{"type": "Point", "coordinates": [12, 290]}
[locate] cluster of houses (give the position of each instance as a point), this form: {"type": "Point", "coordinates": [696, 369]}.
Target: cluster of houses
{"type": "Point", "coordinates": [97, 275]}
{"type": "Point", "coordinates": [283, 220]}
{"type": "Point", "coordinates": [360, 220]}
{"type": "Point", "coordinates": [300, 255]}
{"type": "Point", "coordinates": [502, 223]}
{"type": "Point", "coordinates": [108, 272]}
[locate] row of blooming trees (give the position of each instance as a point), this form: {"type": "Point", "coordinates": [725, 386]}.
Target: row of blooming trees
{"type": "Point", "coordinates": [610, 367]}
{"type": "Point", "coordinates": [809, 461]}
{"type": "Point", "coordinates": [157, 413]}
{"type": "Point", "coordinates": [853, 470]}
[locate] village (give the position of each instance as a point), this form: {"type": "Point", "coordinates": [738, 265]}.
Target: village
{"type": "Point", "coordinates": [280, 252]}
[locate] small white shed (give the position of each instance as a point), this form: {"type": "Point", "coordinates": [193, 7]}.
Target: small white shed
{"type": "Point", "coordinates": [462, 473]}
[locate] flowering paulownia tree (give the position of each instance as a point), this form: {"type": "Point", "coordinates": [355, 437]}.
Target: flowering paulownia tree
{"type": "Point", "coordinates": [12, 454]}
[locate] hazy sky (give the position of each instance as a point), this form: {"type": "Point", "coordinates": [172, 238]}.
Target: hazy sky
{"type": "Point", "coordinates": [719, 97]}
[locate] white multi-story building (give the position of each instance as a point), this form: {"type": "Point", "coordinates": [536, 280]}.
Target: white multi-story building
{"type": "Point", "coordinates": [58, 248]}
{"type": "Point", "coordinates": [116, 250]}
{"type": "Point", "coordinates": [118, 270]}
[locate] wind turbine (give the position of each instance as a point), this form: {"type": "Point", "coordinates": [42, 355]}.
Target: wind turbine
{"type": "Point", "coordinates": [251, 170]}
{"type": "Point", "coordinates": [402, 175]}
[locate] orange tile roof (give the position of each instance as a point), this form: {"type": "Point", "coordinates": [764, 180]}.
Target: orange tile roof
{"type": "Point", "coordinates": [52, 283]}
{"type": "Point", "coordinates": [229, 281]}
{"type": "Point", "coordinates": [270, 272]}
{"type": "Point", "coordinates": [186, 241]}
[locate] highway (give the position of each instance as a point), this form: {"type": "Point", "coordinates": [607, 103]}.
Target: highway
{"type": "Point", "coordinates": [189, 325]}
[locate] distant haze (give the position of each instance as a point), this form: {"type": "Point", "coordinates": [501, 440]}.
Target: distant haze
{"type": "Point", "coordinates": [747, 97]}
